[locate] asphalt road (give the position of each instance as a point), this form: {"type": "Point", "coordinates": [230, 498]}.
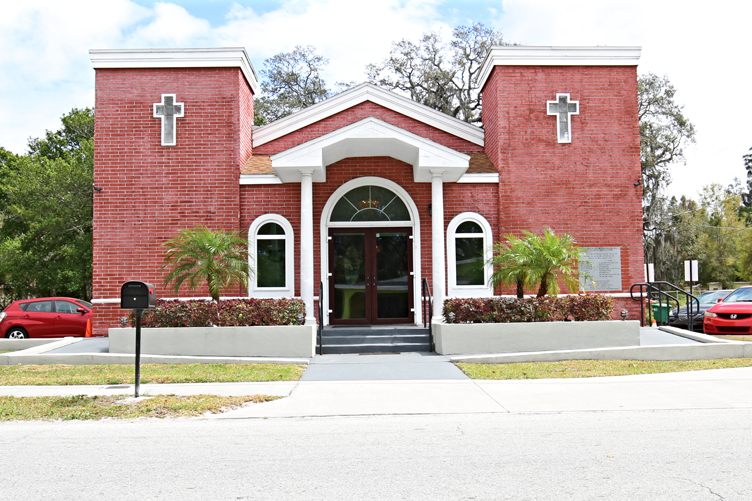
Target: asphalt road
{"type": "Point", "coordinates": [678, 455]}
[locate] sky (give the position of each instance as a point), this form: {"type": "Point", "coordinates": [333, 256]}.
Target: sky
{"type": "Point", "coordinates": [703, 48]}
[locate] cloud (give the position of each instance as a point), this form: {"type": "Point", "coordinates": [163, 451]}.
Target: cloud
{"type": "Point", "coordinates": [335, 27]}
{"type": "Point", "coordinates": [44, 68]}
{"type": "Point", "coordinates": [172, 26]}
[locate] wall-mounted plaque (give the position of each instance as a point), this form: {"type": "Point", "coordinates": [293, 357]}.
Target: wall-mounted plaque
{"type": "Point", "coordinates": [604, 266]}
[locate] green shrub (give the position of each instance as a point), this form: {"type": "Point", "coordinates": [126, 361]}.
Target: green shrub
{"type": "Point", "coordinates": [581, 307]}
{"type": "Point", "coordinates": [226, 312]}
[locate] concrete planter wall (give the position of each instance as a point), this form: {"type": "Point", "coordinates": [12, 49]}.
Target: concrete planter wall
{"type": "Point", "coordinates": [466, 339]}
{"type": "Point", "coordinates": [262, 341]}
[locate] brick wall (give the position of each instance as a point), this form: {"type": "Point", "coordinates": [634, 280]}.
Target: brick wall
{"type": "Point", "coordinates": [150, 191]}
{"type": "Point", "coordinates": [585, 188]}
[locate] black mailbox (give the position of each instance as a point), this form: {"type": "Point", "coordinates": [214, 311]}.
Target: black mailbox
{"type": "Point", "coordinates": [137, 296]}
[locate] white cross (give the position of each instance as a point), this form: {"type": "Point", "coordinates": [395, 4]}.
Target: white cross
{"type": "Point", "coordinates": [168, 110]}
{"type": "Point", "coordinates": [564, 109]}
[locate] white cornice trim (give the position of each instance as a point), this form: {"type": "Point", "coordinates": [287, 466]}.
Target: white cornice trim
{"type": "Point", "coordinates": [259, 179]}
{"type": "Point", "coordinates": [480, 178]}
{"type": "Point", "coordinates": [230, 57]}
{"type": "Point", "coordinates": [557, 56]}
{"type": "Point", "coordinates": [357, 95]}
{"type": "Point", "coordinates": [370, 137]}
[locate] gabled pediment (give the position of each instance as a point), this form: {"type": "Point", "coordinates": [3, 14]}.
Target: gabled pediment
{"type": "Point", "coordinates": [366, 138]}
{"type": "Point", "coordinates": [361, 93]}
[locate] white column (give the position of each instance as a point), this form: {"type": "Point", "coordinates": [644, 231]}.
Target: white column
{"type": "Point", "coordinates": [437, 242]}
{"type": "Point", "coordinates": [306, 244]}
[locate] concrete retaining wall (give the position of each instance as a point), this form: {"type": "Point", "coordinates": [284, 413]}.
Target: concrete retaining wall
{"type": "Point", "coordinates": [263, 341]}
{"type": "Point", "coordinates": [460, 339]}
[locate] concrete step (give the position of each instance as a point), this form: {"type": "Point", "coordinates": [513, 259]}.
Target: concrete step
{"type": "Point", "coordinates": [368, 339]}
{"type": "Point", "coordinates": [376, 339]}
{"type": "Point", "coordinates": [375, 348]}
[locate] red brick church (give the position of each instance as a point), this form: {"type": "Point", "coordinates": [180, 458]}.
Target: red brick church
{"type": "Point", "coordinates": [367, 192]}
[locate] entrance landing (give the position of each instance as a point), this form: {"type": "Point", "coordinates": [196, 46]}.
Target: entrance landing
{"type": "Point", "coordinates": [387, 367]}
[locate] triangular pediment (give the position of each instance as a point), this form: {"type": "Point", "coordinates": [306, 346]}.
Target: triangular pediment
{"type": "Point", "coordinates": [366, 138]}
{"type": "Point", "coordinates": [361, 93]}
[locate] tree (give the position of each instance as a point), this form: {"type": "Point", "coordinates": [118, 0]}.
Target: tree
{"type": "Point", "coordinates": [196, 255]}
{"type": "Point", "coordinates": [746, 207]}
{"type": "Point", "coordinates": [672, 238]}
{"type": "Point", "coordinates": [721, 236]}
{"type": "Point", "coordinates": [46, 211]}
{"type": "Point", "coordinates": [664, 133]}
{"type": "Point", "coordinates": [442, 76]}
{"type": "Point", "coordinates": [290, 82]}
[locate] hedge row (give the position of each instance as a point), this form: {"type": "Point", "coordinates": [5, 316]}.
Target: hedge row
{"type": "Point", "coordinates": [228, 313]}
{"type": "Point", "coordinates": [546, 309]}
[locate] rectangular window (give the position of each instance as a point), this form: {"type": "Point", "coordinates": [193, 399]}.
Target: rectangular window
{"type": "Point", "coordinates": [270, 255]}
{"type": "Point", "coordinates": [469, 261]}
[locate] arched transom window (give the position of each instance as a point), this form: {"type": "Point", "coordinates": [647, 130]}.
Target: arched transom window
{"type": "Point", "coordinates": [370, 203]}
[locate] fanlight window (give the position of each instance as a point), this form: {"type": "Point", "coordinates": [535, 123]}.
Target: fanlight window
{"type": "Point", "coordinates": [370, 203]}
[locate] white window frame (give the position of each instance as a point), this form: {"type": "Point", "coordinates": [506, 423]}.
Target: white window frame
{"type": "Point", "coordinates": [268, 292]}
{"type": "Point", "coordinates": [454, 290]}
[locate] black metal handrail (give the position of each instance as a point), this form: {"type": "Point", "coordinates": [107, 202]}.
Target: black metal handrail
{"type": "Point", "coordinates": [666, 293]}
{"type": "Point", "coordinates": [319, 348]}
{"type": "Point", "coordinates": [427, 307]}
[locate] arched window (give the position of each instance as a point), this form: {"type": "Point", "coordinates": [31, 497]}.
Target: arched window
{"type": "Point", "coordinates": [270, 242]}
{"type": "Point", "coordinates": [370, 203]}
{"type": "Point", "coordinates": [469, 249]}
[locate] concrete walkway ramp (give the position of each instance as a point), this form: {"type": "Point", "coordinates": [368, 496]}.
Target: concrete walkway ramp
{"type": "Point", "coordinates": [386, 367]}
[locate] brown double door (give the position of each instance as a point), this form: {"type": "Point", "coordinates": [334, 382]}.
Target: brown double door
{"type": "Point", "coordinates": [371, 280]}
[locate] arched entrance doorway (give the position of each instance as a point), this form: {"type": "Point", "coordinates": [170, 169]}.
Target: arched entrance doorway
{"type": "Point", "coordinates": [370, 254]}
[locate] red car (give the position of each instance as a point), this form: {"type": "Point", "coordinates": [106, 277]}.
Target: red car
{"type": "Point", "coordinates": [46, 317]}
{"type": "Point", "coordinates": [733, 315]}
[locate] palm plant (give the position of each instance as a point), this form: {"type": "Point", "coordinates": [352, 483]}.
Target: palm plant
{"type": "Point", "coordinates": [219, 258]}
{"type": "Point", "coordinates": [535, 259]}
{"type": "Point", "coordinates": [512, 262]}
{"type": "Point", "coordinates": [555, 258]}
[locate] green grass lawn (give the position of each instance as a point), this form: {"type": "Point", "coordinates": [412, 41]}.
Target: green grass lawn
{"type": "Point", "coordinates": [124, 407]}
{"type": "Point", "coordinates": [150, 373]}
{"type": "Point", "coordinates": [593, 368]}
{"type": "Point", "coordinates": [99, 407]}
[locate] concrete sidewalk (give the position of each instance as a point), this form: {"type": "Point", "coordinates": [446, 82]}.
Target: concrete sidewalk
{"type": "Point", "coordinates": [337, 385]}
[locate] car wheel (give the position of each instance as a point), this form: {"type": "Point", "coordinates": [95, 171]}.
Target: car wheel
{"type": "Point", "coordinates": [16, 333]}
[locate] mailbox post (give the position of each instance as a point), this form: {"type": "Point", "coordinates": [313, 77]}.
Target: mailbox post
{"type": "Point", "coordinates": [138, 296]}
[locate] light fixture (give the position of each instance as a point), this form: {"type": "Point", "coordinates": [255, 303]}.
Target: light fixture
{"type": "Point", "coordinates": [97, 188]}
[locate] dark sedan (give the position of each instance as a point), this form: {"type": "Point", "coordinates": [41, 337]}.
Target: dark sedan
{"type": "Point", "coordinates": [679, 318]}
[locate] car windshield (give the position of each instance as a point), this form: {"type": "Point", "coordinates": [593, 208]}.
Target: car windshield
{"type": "Point", "coordinates": [712, 297]}
{"type": "Point", "coordinates": [86, 303]}
{"type": "Point", "coordinates": [740, 296]}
